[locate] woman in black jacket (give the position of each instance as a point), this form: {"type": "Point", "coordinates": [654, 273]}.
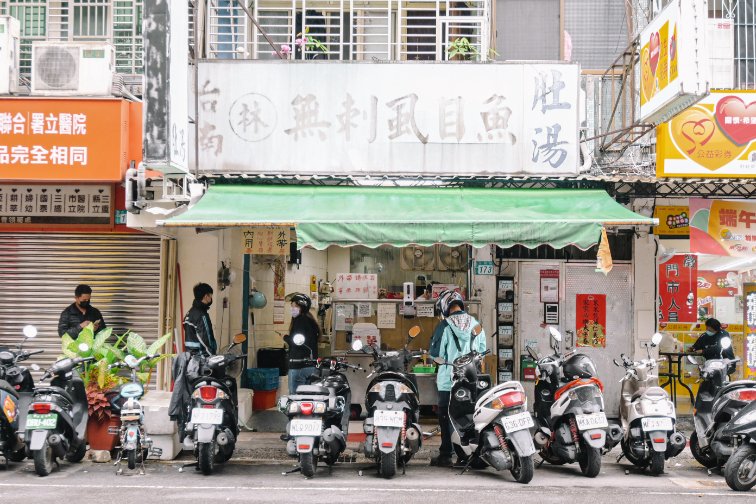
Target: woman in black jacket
{"type": "Point", "coordinates": [304, 323]}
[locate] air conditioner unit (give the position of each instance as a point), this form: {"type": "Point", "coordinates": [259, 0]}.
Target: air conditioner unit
{"type": "Point", "coordinates": [9, 33]}
{"type": "Point", "coordinates": [720, 34]}
{"type": "Point", "coordinates": [72, 68]}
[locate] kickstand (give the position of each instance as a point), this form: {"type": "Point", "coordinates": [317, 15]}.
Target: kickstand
{"type": "Point", "coordinates": [467, 465]}
{"type": "Point", "coordinates": [404, 467]}
{"type": "Point", "coordinates": [540, 463]}
{"type": "Point", "coordinates": [291, 471]}
{"type": "Point", "coordinates": [191, 464]}
{"type": "Point", "coordinates": [621, 455]}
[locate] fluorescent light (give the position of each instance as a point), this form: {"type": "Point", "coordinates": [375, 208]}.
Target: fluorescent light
{"type": "Point", "coordinates": [735, 264]}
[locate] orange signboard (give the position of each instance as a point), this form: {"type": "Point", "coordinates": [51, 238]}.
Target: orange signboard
{"type": "Point", "coordinates": [58, 140]}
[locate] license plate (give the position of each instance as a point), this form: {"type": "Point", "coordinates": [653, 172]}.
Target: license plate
{"type": "Point", "coordinates": [383, 418]}
{"type": "Point", "coordinates": [305, 427]}
{"type": "Point", "coordinates": [517, 422]}
{"type": "Point", "coordinates": [595, 421]}
{"type": "Point", "coordinates": [34, 421]}
{"type": "Point", "coordinates": [207, 416]}
{"type": "Point", "coordinates": [656, 424]}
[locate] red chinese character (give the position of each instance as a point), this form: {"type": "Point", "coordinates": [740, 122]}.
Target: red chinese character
{"type": "Point", "coordinates": [728, 217]}
{"type": "Point", "coordinates": [747, 218]}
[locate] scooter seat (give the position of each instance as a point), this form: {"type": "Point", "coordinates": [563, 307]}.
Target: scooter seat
{"type": "Point", "coordinates": [313, 390]}
{"type": "Point", "coordinates": [53, 390]}
{"type": "Point", "coordinates": [654, 393]}
{"type": "Point", "coordinates": [6, 387]}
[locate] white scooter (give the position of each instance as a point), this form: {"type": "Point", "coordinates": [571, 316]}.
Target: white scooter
{"type": "Point", "coordinates": [647, 415]}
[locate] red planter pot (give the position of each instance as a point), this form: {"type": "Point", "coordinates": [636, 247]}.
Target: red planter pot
{"type": "Point", "coordinates": [103, 435]}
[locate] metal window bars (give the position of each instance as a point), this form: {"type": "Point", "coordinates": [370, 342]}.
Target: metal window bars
{"type": "Point", "coordinates": [349, 29]}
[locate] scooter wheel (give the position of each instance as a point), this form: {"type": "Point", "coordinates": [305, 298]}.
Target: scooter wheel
{"type": "Point", "coordinates": [17, 456]}
{"type": "Point", "coordinates": [705, 458]}
{"type": "Point", "coordinates": [206, 458]}
{"type": "Point", "coordinates": [523, 469]}
{"type": "Point", "coordinates": [739, 466]}
{"type": "Point", "coordinates": [589, 459]}
{"type": "Point", "coordinates": [43, 459]}
{"type": "Point", "coordinates": [307, 463]}
{"type": "Point", "coordinates": [78, 454]}
{"type": "Point", "coordinates": [131, 458]}
{"type": "Point", "coordinates": [656, 466]}
{"type": "Point", "coordinates": [387, 464]}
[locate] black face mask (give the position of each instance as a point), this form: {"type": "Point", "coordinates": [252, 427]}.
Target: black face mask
{"type": "Point", "coordinates": [84, 304]}
{"type": "Point", "coordinates": [207, 305]}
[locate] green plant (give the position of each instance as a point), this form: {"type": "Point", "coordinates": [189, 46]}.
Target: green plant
{"type": "Point", "coordinates": [310, 43]}
{"type": "Point", "coordinates": [462, 47]}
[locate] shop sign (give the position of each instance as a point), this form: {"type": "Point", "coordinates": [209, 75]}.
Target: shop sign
{"type": "Point", "coordinates": [266, 240]}
{"type": "Point", "coordinates": [672, 62]}
{"type": "Point", "coordinates": [714, 138]}
{"type": "Point", "coordinates": [717, 284]}
{"type": "Point", "coordinates": [677, 289]}
{"type": "Point", "coordinates": [749, 316]}
{"type": "Point", "coordinates": [63, 140]}
{"type": "Point", "coordinates": [720, 227]}
{"type": "Point", "coordinates": [484, 267]}
{"type": "Point", "coordinates": [56, 204]}
{"type": "Point", "coordinates": [426, 118]}
{"type": "Point", "coordinates": [673, 220]}
{"type": "Point", "coordinates": [279, 290]}
{"type": "Point", "coordinates": [550, 286]}
{"type": "Point", "coordinates": [590, 318]}
{"type": "Point", "coordinates": [356, 286]}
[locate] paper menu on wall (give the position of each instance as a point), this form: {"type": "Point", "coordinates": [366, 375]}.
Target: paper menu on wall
{"type": "Point", "coordinates": [356, 286]}
{"type": "Point", "coordinates": [386, 315]}
{"type": "Point", "coordinates": [425, 310]}
{"type": "Point", "coordinates": [343, 317]}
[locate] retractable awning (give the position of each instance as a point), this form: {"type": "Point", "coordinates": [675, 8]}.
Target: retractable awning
{"type": "Point", "coordinates": [399, 216]}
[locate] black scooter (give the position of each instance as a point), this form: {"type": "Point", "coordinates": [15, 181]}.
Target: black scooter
{"type": "Point", "coordinates": [56, 425]}
{"type": "Point", "coordinates": [16, 388]}
{"type": "Point", "coordinates": [717, 402]}
{"type": "Point", "coordinates": [393, 408]}
{"type": "Point", "coordinates": [740, 469]}
{"type": "Point", "coordinates": [213, 418]}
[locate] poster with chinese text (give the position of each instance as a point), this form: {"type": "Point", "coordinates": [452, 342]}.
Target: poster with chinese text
{"type": "Point", "coordinates": [720, 227]}
{"type": "Point", "coordinates": [356, 286]}
{"type": "Point", "coordinates": [749, 317]}
{"type": "Point", "coordinates": [678, 281]}
{"type": "Point", "coordinates": [590, 319]}
{"type": "Point", "coordinates": [266, 240]}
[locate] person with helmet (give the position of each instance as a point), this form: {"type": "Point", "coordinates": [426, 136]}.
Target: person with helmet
{"type": "Point", "coordinates": [304, 323]}
{"type": "Point", "coordinates": [455, 339]}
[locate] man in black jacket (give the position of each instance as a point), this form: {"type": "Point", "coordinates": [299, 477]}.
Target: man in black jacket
{"type": "Point", "coordinates": [80, 314]}
{"type": "Point", "coordinates": [198, 328]}
{"type": "Point", "coordinates": [710, 342]}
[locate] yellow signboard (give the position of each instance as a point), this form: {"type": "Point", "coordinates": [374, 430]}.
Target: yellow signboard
{"type": "Point", "coordinates": [714, 138]}
{"type": "Point", "coordinates": [673, 221]}
{"type": "Point", "coordinates": [266, 240]}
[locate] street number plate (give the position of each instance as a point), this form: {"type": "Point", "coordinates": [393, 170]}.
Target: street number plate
{"type": "Point", "coordinates": [595, 421]}
{"type": "Point", "coordinates": [383, 418]}
{"type": "Point", "coordinates": [517, 422]}
{"type": "Point", "coordinates": [305, 427]}
{"type": "Point", "coordinates": [656, 424]}
{"type": "Point", "coordinates": [207, 416]}
{"type": "Point", "coordinates": [34, 421]}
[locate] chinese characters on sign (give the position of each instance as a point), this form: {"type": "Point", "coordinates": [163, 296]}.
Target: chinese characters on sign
{"type": "Point", "coordinates": [37, 123]}
{"type": "Point", "coordinates": [678, 280]}
{"type": "Point", "coordinates": [35, 204]}
{"type": "Point", "coordinates": [720, 227]}
{"type": "Point", "coordinates": [266, 240]}
{"type": "Point", "coordinates": [550, 286]}
{"type": "Point", "coordinates": [590, 319]}
{"type": "Point", "coordinates": [356, 286]}
{"type": "Point", "coordinates": [390, 118]}
{"type": "Point", "coordinates": [749, 314]}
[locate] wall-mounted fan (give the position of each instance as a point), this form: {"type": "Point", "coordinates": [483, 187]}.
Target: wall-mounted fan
{"type": "Point", "coordinates": [225, 276]}
{"type": "Point", "coordinates": [416, 258]}
{"type": "Point", "coordinates": [452, 258]}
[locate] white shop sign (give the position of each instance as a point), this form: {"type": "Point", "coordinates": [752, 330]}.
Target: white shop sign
{"type": "Point", "coordinates": [426, 118]}
{"type": "Point", "coordinates": [56, 204]}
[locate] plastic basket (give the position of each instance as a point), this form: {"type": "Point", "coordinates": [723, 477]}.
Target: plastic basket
{"type": "Point", "coordinates": [424, 369]}
{"type": "Point", "coordinates": [262, 378]}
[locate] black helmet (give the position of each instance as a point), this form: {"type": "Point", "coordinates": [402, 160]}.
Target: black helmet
{"type": "Point", "coordinates": [579, 366]}
{"type": "Point", "coordinates": [302, 300]}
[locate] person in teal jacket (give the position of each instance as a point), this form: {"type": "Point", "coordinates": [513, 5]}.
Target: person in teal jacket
{"type": "Point", "coordinates": [454, 341]}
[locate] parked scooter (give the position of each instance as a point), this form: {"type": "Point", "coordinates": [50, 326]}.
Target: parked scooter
{"type": "Point", "coordinates": [318, 413]}
{"type": "Point", "coordinates": [740, 469]}
{"type": "Point", "coordinates": [717, 402]}
{"type": "Point", "coordinates": [491, 425]}
{"type": "Point", "coordinates": [569, 410]}
{"type": "Point", "coordinates": [135, 445]}
{"type": "Point", "coordinates": [56, 425]}
{"type": "Point", "coordinates": [213, 426]}
{"type": "Point", "coordinates": [16, 388]}
{"type": "Point", "coordinates": [647, 415]}
{"type": "Point", "coordinates": [393, 407]}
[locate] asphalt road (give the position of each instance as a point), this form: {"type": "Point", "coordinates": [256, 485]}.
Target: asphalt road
{"type": "Point", "coordinates": [262, 481]}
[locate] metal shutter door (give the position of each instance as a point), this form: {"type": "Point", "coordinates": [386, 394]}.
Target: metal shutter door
{"type": "Point", "coordinates": [39, 272]}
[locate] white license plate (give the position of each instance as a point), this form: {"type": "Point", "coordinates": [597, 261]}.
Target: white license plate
{"type": "Point", "coordinates": [48, 421]}
{"type": "Point", "coordinates": [305, 427]}
{"type": "Point", "coordinates": [207, 416]}
{"type": "Point", "coordinates": [656, 424]}
{"type": "Point", "coordinates": [595, 421]}
{"type": "Point", "coordinates": [517, 422]}
{"type": "Point", "coordinates": [383, 418]}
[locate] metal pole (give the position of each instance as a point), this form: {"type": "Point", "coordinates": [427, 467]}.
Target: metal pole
{"type": "Point", "coordinates": [264, 33]}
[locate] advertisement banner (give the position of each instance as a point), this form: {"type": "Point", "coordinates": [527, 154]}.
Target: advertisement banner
{"type": "Point", "coordinates": [57, 140]}
{"type": "Point", "coordinates": [591, 320]}
{"type": "Point", "coordinates": [678, 279]}
{"type": "Point", "coordinates": [80, 204]}
{"type": "Point", "coordinates": [673, 70]}
{"type": "Point", "coordinates": [266, 240]}
{"type": "Point", "coordinates": [749, 321]}
{"type": "Point", "coordinates": [722, 227]}
{"type": "Point", "coordinates": [714, 138]}
{"type": "Point", "coordinates": [717, 283]}
{"type": "Point", "coordinates": [673, 221]}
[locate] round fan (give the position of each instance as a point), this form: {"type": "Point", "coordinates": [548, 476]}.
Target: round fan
{"type": "Point", "coordinates": [235, 368]}
{"type": "Point", "coordinates": [415, 258]}
{"type": "Point", "coordinates": [452, 258]}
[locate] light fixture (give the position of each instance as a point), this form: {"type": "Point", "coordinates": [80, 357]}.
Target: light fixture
{"type": "Point", "coordinates": [735, 264]}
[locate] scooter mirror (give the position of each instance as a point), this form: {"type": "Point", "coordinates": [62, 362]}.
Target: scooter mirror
{"type": "Point", "coordinates": [656, 339]}
{"type": "Point", "coordinates": [357, 345]}
{"type": "Point", "coordinates": [725, 343]}
{"type": "Point", "coordinates": [240, 338]}
{"type": "Point", "coordinates": [414, 331]}
{"type": "Point", "coordinates": [130, 360]}
{"type": "Point", "coordinates": [30, 331]}
{"type": "Point", "coordinates": [555, 333]}
{"type": "Point", "coordinates": [476, 330]}
{"type": "Point", "coordinates": [439, 360]}
{"type": "Point", "coordinates": [692, 359]}
{"type": "Point", "coordinates": [35, 367]}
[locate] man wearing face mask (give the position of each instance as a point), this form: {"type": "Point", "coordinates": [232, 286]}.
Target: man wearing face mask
{"type": "Point", "coordinates": [80, 314]}
{"type": "Point", "coordinates": [198, 328]}
{"type": "Point", "coordinates": [304, 323]}
{"type": "Point", "coordinates": [709, 343]}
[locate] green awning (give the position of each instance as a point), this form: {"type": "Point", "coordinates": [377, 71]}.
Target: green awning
{"type": "Point", "coordinates": [399, 216]}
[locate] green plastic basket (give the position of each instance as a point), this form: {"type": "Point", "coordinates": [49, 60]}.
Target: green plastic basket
{"type": "Point", "coordinates": [424, 369]}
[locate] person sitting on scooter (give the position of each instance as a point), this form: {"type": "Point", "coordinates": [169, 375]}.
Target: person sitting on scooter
{"type": "Point", "coordinates": [304, 323]}
{"type": "Point", "coordinates": [709, 343]}
{"type": "Point", "coordinates": [455, 338]}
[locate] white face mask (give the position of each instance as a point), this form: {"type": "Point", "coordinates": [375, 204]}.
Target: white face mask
{"type": "Point", "coordinates": [294, 311]}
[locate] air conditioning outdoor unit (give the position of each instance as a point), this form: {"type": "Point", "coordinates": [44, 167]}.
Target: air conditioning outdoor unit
{"type": "Point", "coordinates": [9, 34]}
{"type": "Point", "coordinates": [720, 38]}
{"type": "Point", "coordinates": [72, 69]}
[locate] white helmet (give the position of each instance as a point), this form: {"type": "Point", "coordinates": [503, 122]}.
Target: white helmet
{"type": "Point", "coordinates": [446, 299]}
